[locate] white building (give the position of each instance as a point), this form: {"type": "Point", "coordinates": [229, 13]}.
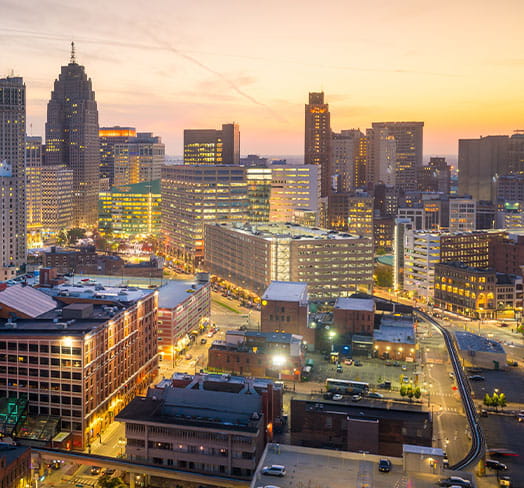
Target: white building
{"type": "Point", "coordinates": [293, 188]}
{"type": "Point", "coordinates": [422, 252]}
{"type": "Point", "coordinates": [462, 214]}
{"type": "Point", "coordinates": [399, 244]}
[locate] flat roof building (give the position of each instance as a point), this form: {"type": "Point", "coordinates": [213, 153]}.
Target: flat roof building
{"type": "Point", "coordinates": [480, 352]}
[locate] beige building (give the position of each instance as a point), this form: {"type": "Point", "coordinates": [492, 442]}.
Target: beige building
{"type": "Point", "coordinates": [332, 264]}
{"type": "Point", "coordinates": [33, 191]}
{"type": "Point", "coordinates": [57, 198]}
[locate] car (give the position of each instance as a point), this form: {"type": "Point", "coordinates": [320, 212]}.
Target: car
{"type": "Point", "coordinates": [339, 369]}
{"type": "Point", "coordinates": [203, 341]}
{"type": "Point", "coordinates": [385, 386]}
{"type": "Point", "coordinates": [348, 362]}
{"type": "Point", "coordinates": [505, 481]}
{"type": "Point", "coordinates": [396, 364]}
{"type": "Point", "coordinates": [328, 395]}
{"type": "Point", "coordinates": [55, 464]}
{"type": "Point", "coordinates": [476, 377]}
{"type": "Point", "coordinates": [405, 379]}
{"type": "Point", "coordinates": [496, 465]}
{"type": "Point", "coordinates": [384, 465]}
{"type": "Point", "coordinates": [389, 363]}
{"type": "Point", "coordinates": [373, 394]}
{"type": "Point", "coordinates": [503, 324]}
{"type": "Point", "coordinates": [188, 357]}
{"type": "Point", "coordinates": [483, 413]}
{"type": "Point", "coordinates": [356, 398]}
{"type": "Point", "coordinates": [474, 370]}
{"type": "Point", "coordinates": [454, 481]}
{"type": "Point", "coordinates": [338, 397]}
{"type": "Point", "coordinates": [451, 375]}
{"type": "Point", "coordinates": [274, 470]}
{"type": "Point", "coordinates": [269, 486]}
{"type": "Point", "coordinates": [520, 417]}
{"type": "Point", "coordinates": [357, 363]}
{"type": "Point", "coordinates": [95, 470]}
{"type": "Point", "coordinates": [210, 334]}
{"type": "Point", "coordinates": [500, 452]}
{"type": "Point", "coordinates": [109, 471]}
{"type": "Point", "coordinates": [404, 367]}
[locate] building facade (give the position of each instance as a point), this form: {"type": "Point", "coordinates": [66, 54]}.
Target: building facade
{"type": "Point", "coordinates": [195, 195]}
{"type": "Point", "coordinates": [333, 264]}
{"type": "Point", "coordinates": [33, 191]}
{"type": "Point", "coordinates": [72, 138]}
{"type": "Point", "coordinates": [57, 198]}
{"type": "Point", "coordinates": [210, 146]}
{"type": "Point", "coordinates": [12, 176]}
{"type": "Point", "coordinates": [318, 139]}
{"type": "Point", "coordinates": [109, 138]}
{"type": "Point", "coordinates": [354, 316]}
{"type": "Point", "coordinates": [131, 211]}
{"type": "Point", "coordinates": [259, 183]}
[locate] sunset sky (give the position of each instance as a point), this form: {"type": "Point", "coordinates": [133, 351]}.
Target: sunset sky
{"type": "Point", "coordinates": [166, 65]}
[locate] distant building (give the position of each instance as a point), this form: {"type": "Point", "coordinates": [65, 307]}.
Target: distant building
{"type": "Point", "coordinates": [383, 230]}
{"type": "Point", "coordinates": [130, 211]}
{"type": "Point", "coordinates": [293, 188]}
{"type": "Point", "coordinates": [210, 146]}
{"type": "Point", "coordinates": [402, 226]}
{"type": "Point", "coordinates": [348, 159]}
{"type": "Point", "coordinates": [254, 160]}
{"type": "Point", "coordinates": [72, 138]}
{"type": "Point", "coordinates": [317, 139]}
{"type": "Point", "coordinates": [362, 427]}
{"type": "Point", "coordinates": [209, 424]}
{"type": "Point", "coordinates": [333, 264]}
{"type": "Point", "coordinates": [486, 215]}
{"type": "Point", "coordinates": [506, 253]}
{"type": "Point", "coordinates": [285, 308]}
{"type": "Point", "coordinates": [110, 137]}
{"type": "Point", "coordinates": [462, 214]}
{"type": "Point", "coordinates": [33, 190]}
{"type": "Point", "coordinates": [57, 199]}
{"type": "Point", "coordinates": [85, 260]}
{"type": "Point", "coordinates": [435, 176]}
{"type": "Point", "coordinates": [480, 352]}
{"type": "Point", "coordinates": [195, 195]}
{"type": "Point", "coordinates": [471, 248]}
{"type": "Point", "coordinates": [184, 308]}
{"type": "Point", "coordinates": [276, 355]}
{"type": "Point", "coordinates": [354, 316]}
{"type": "Point", "coordinates": [12, 176]}
{"type": "Point", "coordinates": [395, 338]}
{"type": "Point", "coordinates": [351, 212]}
{"type": "Point", "coordinates": [259, 185]}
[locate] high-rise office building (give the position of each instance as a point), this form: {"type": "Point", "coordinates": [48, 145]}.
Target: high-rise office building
{"type": "Point", "coordinates": [479, 161]}
{"type": "Point", "coordinates": [210, 146]}
{"type": "Point", "coordinates": [57, 199]}
{"type": "Point", "coordinates": [381, 154]}
{"type": "Point", "coordinates": [109, 138]}
{"type": "Point", "coordinates": [194, 195]}
{"type": "Point", "coordinates": [33, 190]}
{"type": "Point", "coordinates": [318, 138]}
{"type": "Point", "coordinates": [293, 188]}
{"type": "Point", "coordinates": [12, 176]}
{"type": "Point", "coordinates": [409, 145]}
{"type": "Point", "coordinates": [348, 159]}
{"type": "Point", "coordinates": [259, 192]}
{"type": "Point", "coordinates": [72, 138]}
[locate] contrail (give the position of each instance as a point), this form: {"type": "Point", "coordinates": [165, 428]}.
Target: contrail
{"type": "Point", "coordinates": [157, 45]}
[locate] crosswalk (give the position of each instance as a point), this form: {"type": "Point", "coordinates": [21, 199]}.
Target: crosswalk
{"type": "Point", "coordinates": [79, 482]}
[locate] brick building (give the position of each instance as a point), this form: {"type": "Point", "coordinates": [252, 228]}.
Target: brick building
{"type": "Point", "coordinates": [377, 430]}
{"type": "Point", "coordinates": [15, 466]}
{"type": "Point", "coordinates": [507, 253]}
{"type": "Point", "coordinates": [354, 316]}
{"type": "Point", "coordinates": [285, 308]}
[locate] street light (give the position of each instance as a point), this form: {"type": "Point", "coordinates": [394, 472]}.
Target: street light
{"type": "Point", "coordinates": [332, 334]}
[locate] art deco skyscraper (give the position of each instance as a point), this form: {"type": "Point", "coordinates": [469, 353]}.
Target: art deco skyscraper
{"type": "Point", "coordinates": [318, 138]}
{"type": "Point", "coordinates": [72, 138]}
{"type": "Point", "coordinates": [12, 176]}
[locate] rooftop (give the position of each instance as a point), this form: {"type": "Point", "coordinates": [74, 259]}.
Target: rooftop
{"type": "Point", "coordinates": [26, 301]}
{"type": "Point", "coordinates": [395, 333]}
{"type": "Point", "coordinates": [467, 341]}
{"type": "Point", "coordinates": [286, 291]}
{"type": "Point", "coordinates": [358, 304]}
{"type": "Point", "coordinates": [96, 291]}
{"type": "Point", "coordinates": [174, 292]}
{"type": "Point", "coordinates": [274, 231]}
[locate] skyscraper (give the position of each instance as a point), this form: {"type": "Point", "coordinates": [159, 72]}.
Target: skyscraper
{"type": "Point", "coordinates": [210, 146]}
{"type": "Point", "coordinates": [110, 137]}
{"type": "Point", "coordinates": [317, 138]}
{"type": "Point", "coordinates": [409, 144]}
{"type": "Point", "coordinates": [12, 176]}
{"type": "Point", "coordinates": [33, 190]}
{"type": "Point", "coordinates": [72, 138]}
{"type": "Point", "coordinates": [348, 159]}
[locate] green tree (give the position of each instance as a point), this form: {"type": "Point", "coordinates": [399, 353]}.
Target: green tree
{"type": "Point", "coordinates": [417, 392]}
{"type": "Point", "coordinates": [495, 401]}
{"type": "Point", "coordinates": [106, 481]}
{"type": "Point", "coordinates": [410, 392]}
{"type": "Point", "coordinates": [502, 400]}
{"type": "Point", "coordinates": [73, 235]}
{"type": "Point", "coordinates": [403, 390]}
{"type": "Point", "coordinates": [61, 237]}
{"type": "Point", "coordinates": [487, 400]}
{"type": "Point", "coordinates": [384, 276]}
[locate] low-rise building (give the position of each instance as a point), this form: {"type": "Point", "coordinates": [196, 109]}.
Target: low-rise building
{"type": "Point", "coordinates": [259, 354]}
{"type": "Point", "coordinates": [84, 360]}
{"type": "Point", "coordinates": [354, 316]}
{"type": "Point", "coordinates": [368, 427]}
{"type": "Point", "coordinates": [183, 307]}
{"type": "Point", "coordinates": [465, 290]}
{"type": "Point", "coordinates": [395, 338]}
{"type": "Point", "coordinates": [15, 466]}
{"type": "Point", "coordinates": [480, 352]}
{"type": "Point", "coordinates": [285, 308]}
{"type": "Point", "coordinates": [210, 424]}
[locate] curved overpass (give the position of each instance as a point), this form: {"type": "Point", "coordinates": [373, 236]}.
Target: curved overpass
{"type": "Point", "coordinates": [477, 436]}
{"type": "Point", "coordinates": [140, 468]}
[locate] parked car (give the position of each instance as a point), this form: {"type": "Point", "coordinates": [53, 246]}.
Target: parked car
{"type": "Point", "coordinates": [385, 386]}
{"type": "Point", "coordinates": [349, 362]}
{"type": "Point", "coordinates": [203, 341]}
{"type": "Point", "coordinates": [454, 481]}
{"type": "Point", "coordinates": [188, 356]}
{"type": "Point", "coordinates": [384, 465]}
{"type": "Point", "coordinates": [476, 377]}
{"type": "Point", "coordinates": [274, 470]}
{"type": "Point", "coordinates": [356, 398]}
{"type": "Point", "coordinates": [396, 364]}
{"type": "Point", "coordinates": [328, 395]}
{"type": "Point", "coordinates": [95, 470]}
{"type": "Point", "coordinates": [338, 396]}
{"type": "Point", "coordinates": [483, 413]}
{"type": "Point", "coordinates": [109, 472]}
{"type": "Point", "coordinates": [373, 394]}
{"type": "Point", "coordinates": [496, 465]}
{"type": "Point", "coordinates": [404, 367]}
{"type": "Point", "coordinates": [357, 363]}
{"type": "Point", "coordinates": [339, 369]}
{"type": "Point", "coordinates": [505, 481]}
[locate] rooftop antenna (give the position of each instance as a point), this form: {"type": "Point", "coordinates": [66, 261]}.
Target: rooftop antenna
{"type": "Point", "coordinates": [73, 59]}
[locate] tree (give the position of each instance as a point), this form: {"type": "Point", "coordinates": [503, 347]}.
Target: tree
{"type": "Point", "coordinates": [417, 392]}
{"type": "Point", "coordinates": [410, 392]}
{"type": "Point", "coordinates": [75, 234]}
{"type": "Point", "coordinates": [495, 401]}
{"type": "Point", "coordinates": [61, 238]}
{"type": "Point", "coordinates": [105, 481]}
{"type": "Point", "coordinates": [403, 390]}
{"type": "Point", "coordinates": [384, 276]}
{"type": "Point", "coordinates": [487, 400]}
{"type": "Point", "coordinates": [502, 400]}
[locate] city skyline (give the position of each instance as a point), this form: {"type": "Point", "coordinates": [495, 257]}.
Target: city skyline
{"type": "Point", "coordinates": [185, 67]}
